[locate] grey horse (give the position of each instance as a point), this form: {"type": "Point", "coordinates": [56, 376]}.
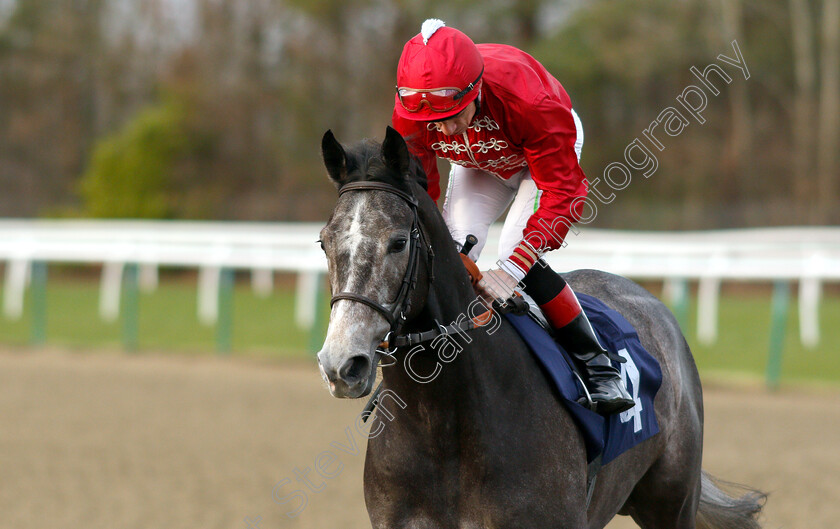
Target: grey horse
{"type": "Point", "coordinates": [474, 436]}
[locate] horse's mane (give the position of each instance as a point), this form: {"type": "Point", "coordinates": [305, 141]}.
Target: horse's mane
{"type": "Point", "coordinates": [366, 164]}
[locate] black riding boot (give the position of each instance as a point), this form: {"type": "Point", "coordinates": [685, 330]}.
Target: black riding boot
{"type": "Point", "coordinates": [574, 332]}
{"type": "Point", "coordinates": [606, 389]}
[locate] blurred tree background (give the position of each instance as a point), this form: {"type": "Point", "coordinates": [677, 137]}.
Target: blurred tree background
{"type": "Point", "coordinates": [214, 109]}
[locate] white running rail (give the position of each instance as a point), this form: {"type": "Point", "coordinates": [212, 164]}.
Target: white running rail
{"type": "Point", "coordinates": [807, 255]}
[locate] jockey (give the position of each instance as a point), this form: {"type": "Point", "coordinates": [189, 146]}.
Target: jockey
{"type": "Point", "coordinates": [508, 129]}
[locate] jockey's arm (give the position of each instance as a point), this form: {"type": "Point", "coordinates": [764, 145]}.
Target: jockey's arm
{"type": "Point", "coordinates": [549, 145]}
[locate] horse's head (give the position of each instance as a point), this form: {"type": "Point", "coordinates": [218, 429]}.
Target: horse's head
{"type": "Point", "coordinates": [373, 247]}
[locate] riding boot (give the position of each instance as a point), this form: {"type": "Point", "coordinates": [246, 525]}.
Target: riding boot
{"type": "Point", "coordinates": [606, 389]}
{"type": "Point", "coordinates": [574, 332]}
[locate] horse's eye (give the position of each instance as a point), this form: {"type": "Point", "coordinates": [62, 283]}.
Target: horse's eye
{"type": "Point", "coordinates": [397, 246]}
{"type": "Point", "coordinates": [319, 241]}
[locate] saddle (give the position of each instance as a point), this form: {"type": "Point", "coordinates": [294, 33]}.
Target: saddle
{"type": "Point", "coordinates": [605, 437]}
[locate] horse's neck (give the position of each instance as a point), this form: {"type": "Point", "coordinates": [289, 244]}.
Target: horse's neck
{"type": "Point", "coordinates": [450, 291]}
{"type": "Point", "coordinates": [450, 297]}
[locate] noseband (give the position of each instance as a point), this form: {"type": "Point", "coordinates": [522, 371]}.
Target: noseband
{"type": "Point", "coordinates": [400, 306]}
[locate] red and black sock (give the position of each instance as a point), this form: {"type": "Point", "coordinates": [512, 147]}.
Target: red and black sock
{"type": "Point", "coordinates": [556, 299]}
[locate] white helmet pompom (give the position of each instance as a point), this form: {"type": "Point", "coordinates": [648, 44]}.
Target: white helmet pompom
{"type": "Point", "coordinates": [429, 27]}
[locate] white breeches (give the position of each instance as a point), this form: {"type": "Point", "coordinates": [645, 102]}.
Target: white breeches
{"type": "Point", "coordinates": [476, 198]}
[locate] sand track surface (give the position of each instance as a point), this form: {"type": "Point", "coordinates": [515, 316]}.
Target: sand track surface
{"type": "Point", "coordinates": [119, 441]}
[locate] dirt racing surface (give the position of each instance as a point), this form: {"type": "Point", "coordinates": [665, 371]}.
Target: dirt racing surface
{"type": "Point", "coordinates": [100, 441]}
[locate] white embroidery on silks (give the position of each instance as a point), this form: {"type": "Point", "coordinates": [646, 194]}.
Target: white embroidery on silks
{"type": "Point", "coordinates": [494, 167]}
{"type": "Point", "coordinates": [493, 143]}
{"type": "Point", "coordinates": [484, 123]}
{"type": "Point", "coordinates": [478, 147]}
{"type": "Point", "coordinates": [444, 147]}
{"type": "Point", "coordinates": [504, 163]}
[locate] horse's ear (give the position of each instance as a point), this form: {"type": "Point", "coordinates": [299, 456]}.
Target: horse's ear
{"type": "Point", "coordinates": [335, 159]}
{"type": "Point", "coordinates": [395, 152]}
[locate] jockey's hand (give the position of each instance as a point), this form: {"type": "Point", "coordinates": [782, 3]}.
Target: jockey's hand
{"type": "Point", "coordinates": [497, 284]}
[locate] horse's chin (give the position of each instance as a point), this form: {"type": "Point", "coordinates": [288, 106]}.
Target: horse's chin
{"type": "Point", "coordinates": [370, 382]}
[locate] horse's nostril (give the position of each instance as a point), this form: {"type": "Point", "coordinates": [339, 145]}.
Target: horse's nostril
{"type": "Point", "coordinates": [354, 369]}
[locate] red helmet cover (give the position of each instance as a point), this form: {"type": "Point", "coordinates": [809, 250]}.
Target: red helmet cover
{"type": "Point", "coordinates": [447, 59]}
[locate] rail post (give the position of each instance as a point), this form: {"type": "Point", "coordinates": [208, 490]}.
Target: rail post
{"type": "Point", "coordinates": [38, 293]}
{"type": "Point", "coordinates": [778, 322]}
{"type": "Point", "coordinates": [131, 307]}
{"type": "Point", "coordinates": [224, 323]}
{"type": "Point", "coordinates": [676, 291]}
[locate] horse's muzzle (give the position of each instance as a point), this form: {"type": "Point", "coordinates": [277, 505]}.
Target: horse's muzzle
{"type": "Point", "coordinates": [347, 378]}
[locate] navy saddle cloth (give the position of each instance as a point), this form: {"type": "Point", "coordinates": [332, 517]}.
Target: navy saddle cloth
{"type": "Point", "coordinates": [605, 436]}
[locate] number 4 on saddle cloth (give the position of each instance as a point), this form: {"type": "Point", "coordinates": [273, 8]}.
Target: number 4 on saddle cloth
{"type": "Point", "coordinates": [608, 436]}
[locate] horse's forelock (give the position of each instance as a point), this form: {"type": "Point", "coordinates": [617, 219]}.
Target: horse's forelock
{"type": "Point", "coordinates": [365, 164]}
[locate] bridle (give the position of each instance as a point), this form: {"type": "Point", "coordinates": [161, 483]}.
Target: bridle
{"type": "Point", "coordinates": [396, 316]}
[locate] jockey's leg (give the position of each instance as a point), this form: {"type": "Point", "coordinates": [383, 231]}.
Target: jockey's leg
{"type": "Point", "coordinates": [524, 205]}
{"type": "Point", "coordinates": [474, 200]}
{"type": "Point", "coordinates": [574, 332]}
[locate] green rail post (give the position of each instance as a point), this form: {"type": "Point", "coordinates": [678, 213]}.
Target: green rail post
{"type": "Point", "coordinates": [781, 302]}
{"type": "Point", "coordinates": [224, 325]}
{"type": "Point", "coordinates": [316, 334]}
{"type": "Point", "coordinates": [680, 300]}
{"type": "Point", "coordinates": [38, 293]}
{"type": "Point", "coordinates": [130, 307]}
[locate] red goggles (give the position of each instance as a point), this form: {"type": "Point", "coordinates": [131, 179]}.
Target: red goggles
{"type": "Point", "coordinates": [437, 99]}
